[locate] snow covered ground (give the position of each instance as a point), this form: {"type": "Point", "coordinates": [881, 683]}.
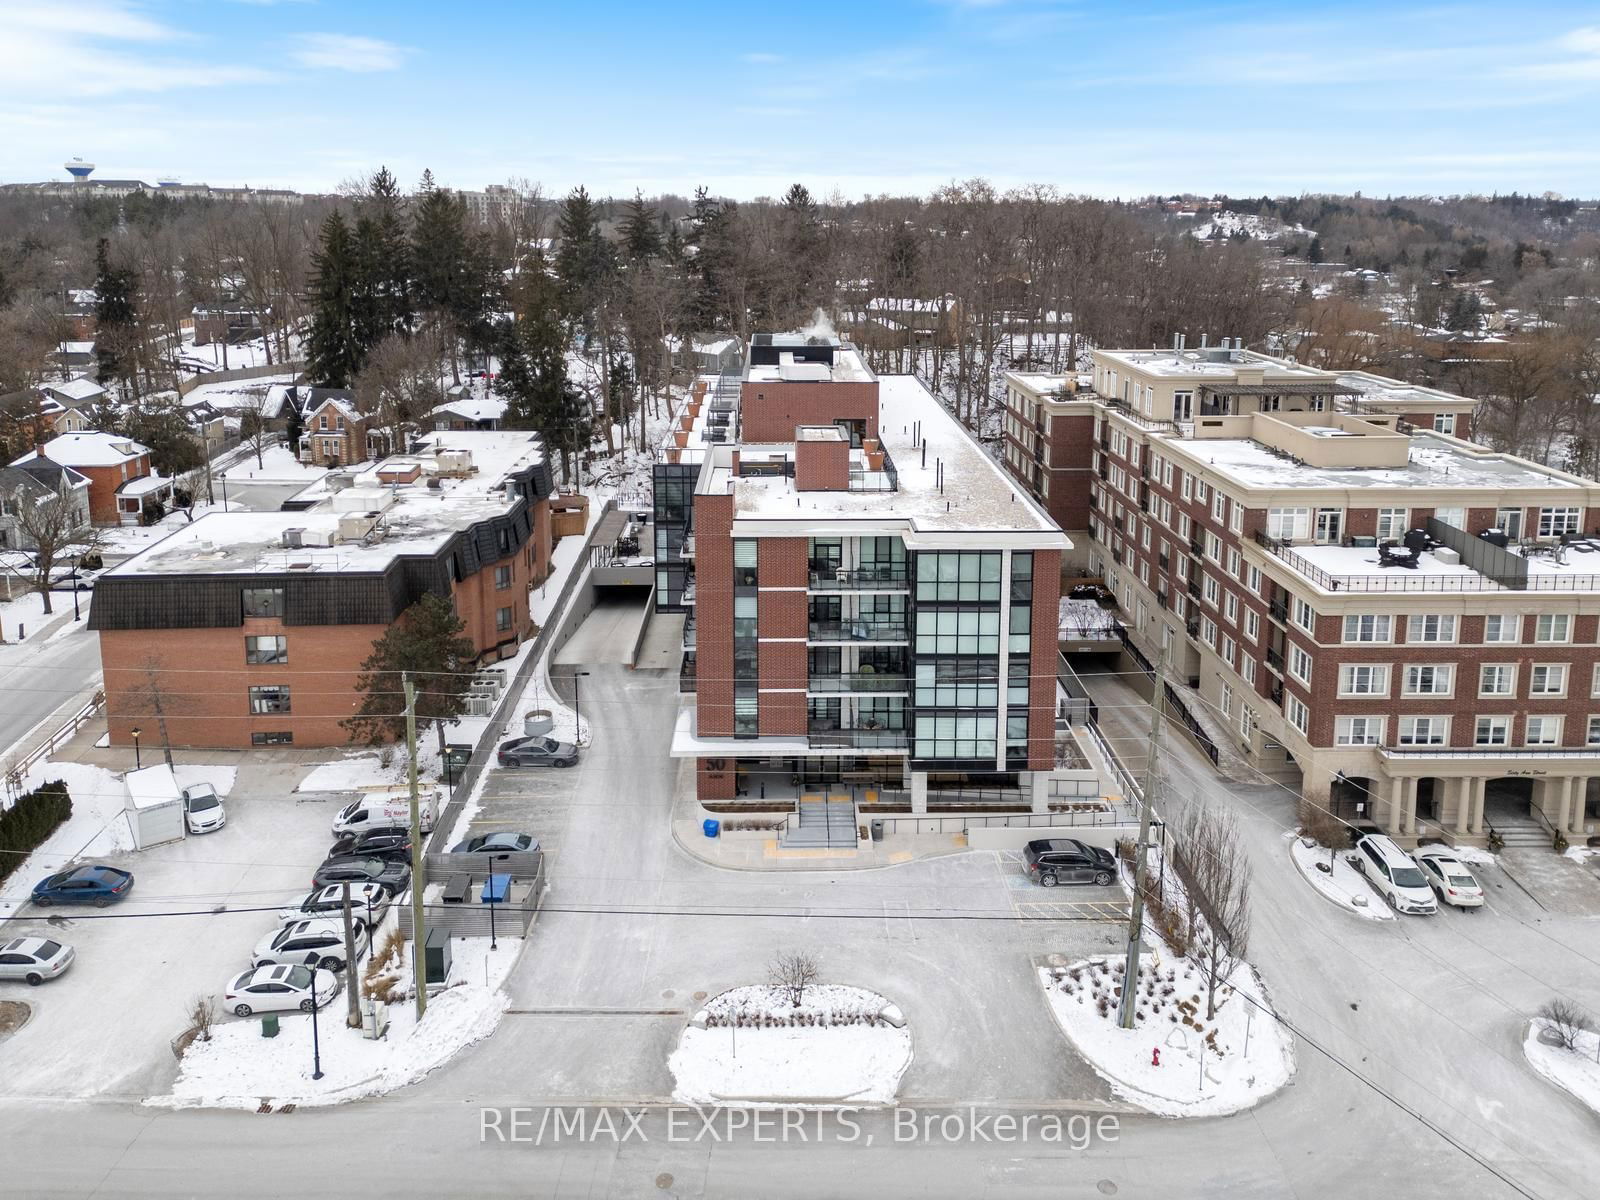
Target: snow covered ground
{"type": "Point", "coordinates": [1343, 884]}
{"type": "Point", "coordinates": [238, 1068]}
{"type": "Point", "coordinates": [1173, 1062]}
{"type": "Point", "coordinates": [1576, 1071]}
{"type": "Point", "coordinates": [830, 1055]}
{"type": "Point", "coordinates": [26, 614]}
{"type": "Point", "coordinates": [278, 465]}
{"type": "Point", "coordinates": [1251, 225]}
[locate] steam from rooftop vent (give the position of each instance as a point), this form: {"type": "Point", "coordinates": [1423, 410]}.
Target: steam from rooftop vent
{"type": "Point", "coordinates": [818, 327]}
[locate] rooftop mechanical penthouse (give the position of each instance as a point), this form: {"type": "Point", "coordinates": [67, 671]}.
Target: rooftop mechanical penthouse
{"type": "Point", "coordinates": [872, 603]}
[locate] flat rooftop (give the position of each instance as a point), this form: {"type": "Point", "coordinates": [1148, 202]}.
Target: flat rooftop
{"type": "Point", "coordinates": [1378, 390]}
{"type": "Point", "coordinates": [1358, 569]}
{"type": "Point", "coordinates": [977, 495]}
{"type": "Point", "coordinates": [1435, 463]}
{"type": "Point", "coordinates": [848, 367]}
{"type": "Point", "coordinates": [1212, 362]}
{"type": "Point", "coordinates": [415, 519]}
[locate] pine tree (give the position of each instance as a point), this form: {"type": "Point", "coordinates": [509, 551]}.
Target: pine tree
{"type": "Point", "coordinates": [427, 641]}
{"type": "Point", "coordinates": [1315, 252]}
{"type": "Point", "coordinates": [641, 230]}
{"type": "Point", "coordinates": [116, 346]}
{"type": "Point", "coordinates": [533, 379]}
{"type": "Point", "coordinates": [582, 257]}
{"type": "Point", "coordinates": [333, 351]}
{"type": "Point", "coordinates": [448, 269]}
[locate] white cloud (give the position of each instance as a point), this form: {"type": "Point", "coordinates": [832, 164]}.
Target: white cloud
{"type": "Point", "coordinates": [346, 52]}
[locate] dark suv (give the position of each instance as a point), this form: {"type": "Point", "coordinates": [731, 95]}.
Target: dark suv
{"type": "Point", "coordinates": [1067, 860]}
{"type": "Point", "coordinates": [374, 843]}
{"type": "Point", "coordinates": [389, 874]}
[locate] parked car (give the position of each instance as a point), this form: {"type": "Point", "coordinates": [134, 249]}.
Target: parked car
{"type": "Point", "coordinates": [202, 809]}
{"type": "Point", "coordinates": [387, 811]}
{"type": "Point", "coordinates": [1395, 874]}
{"type": "Point", "coordinates": [368, 901]}
{"type": "Point", "coordinates": [1449, 877]}
{"type": "Point", "coordinates": [536, 752]}
{"type": "Point", "coordinates": [383, 842]}
{"type": "Point", "coordinates": [1054, 861]}
{"type": "Point", "coordinates": [350, 868]}
{"type": "Point", "coordinates": [278, 989]}
{"type": "Point", "coordinates": [496, 843]}
{"type": "Point", "coordinates": [318, 942]}
{"type": "Point", "coordinates": [88, 884]}
{"type": "Point", "coordinates": [34, 959]}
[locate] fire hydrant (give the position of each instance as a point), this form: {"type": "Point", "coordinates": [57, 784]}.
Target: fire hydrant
{"type": "Point", "coordinates": [1155, 1056]}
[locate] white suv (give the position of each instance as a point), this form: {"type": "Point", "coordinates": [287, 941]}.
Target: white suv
{"type": "Point", "coordinates": [1395, 874]}
{"type": "Point", "coordinates": [315, 943]}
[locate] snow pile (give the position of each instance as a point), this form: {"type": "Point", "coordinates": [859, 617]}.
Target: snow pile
{"type": "Point", "coordinates": [1342, 883]}
{"type": "Point", "coordinates": [836, 1047]}
{"type": "Point", "coordinates": [96, 828]}
{"type": "Point", "coordinates": [1576, 1070]}
{"type": "Point", "coordinates": [1174, 1062]}
{"type": "Point", "coordinates": [238, 1068]}
{"type": "Point", "coordinates": [1258, 228]}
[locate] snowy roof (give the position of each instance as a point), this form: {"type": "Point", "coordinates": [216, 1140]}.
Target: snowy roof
{"type": "Point", "coordinates": [88, 448]}
{"type": "Point", "coordinates": [143, 485]}
{"type": "Point", "coordinates": [77, 347]}
{"type": "Point", "coordinates": [977, 497]}
{"type": "Point", "coordinates": [152, 787]}
{"type": "Point", "coordinates": [848, 367]}
{"type": "Point", "coordinates": [1434, 463]}
{"type": "Point", "coordinates": [1211, 362]}
{"type": "Point", "coordinates": [79, 388]}
{"type": "Point", "coordinates": [910, 304]}
{"type": "Point", "coordinates": [1379, 390]}
{"type": "Point", "coordinates": [346, 407]}
{"type": "Point", "coordinates": [1359, 569]}
{"type": "Point", "coordinates": [475, 408]}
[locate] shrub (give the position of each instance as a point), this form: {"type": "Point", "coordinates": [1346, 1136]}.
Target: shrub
{"type": "Point", "coordinates": [28, 823]}
{"type": "Point", "coordinates": [1567, 1021]}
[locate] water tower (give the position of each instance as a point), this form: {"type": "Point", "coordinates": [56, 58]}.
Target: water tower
{"type": "Point", "coordinates": [79, 170]}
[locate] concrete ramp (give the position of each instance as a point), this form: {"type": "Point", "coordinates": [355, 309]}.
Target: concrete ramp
{"type": "Point", "coordinates": [610, 632]}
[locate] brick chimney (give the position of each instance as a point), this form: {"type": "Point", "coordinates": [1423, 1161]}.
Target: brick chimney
{"type": "Point", "coordinates": [821, 459]}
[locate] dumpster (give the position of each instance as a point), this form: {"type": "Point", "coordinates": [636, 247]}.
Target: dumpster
{"type": "Point", "coordinates": [496, 889]}
{"type": "Point", "coordinates": [711, 826]}
{"type": "Point", "coordinates": [269, 1025]}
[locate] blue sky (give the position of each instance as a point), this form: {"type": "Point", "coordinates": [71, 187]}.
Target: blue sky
{"type": "Point", "coordinates": [1104, 98]}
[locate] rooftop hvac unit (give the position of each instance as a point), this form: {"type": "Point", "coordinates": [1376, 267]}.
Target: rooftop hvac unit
{"type": "Point", "coordinates": [355, 526]}
{"type": "Point", "coordinates": [337, 481]}
{"type": "Point", "coordinates": [456, 464]}
{"type": "Point", "coordinates": [319, 537]}
{"type": "Point", "coordinates": [294, 537]}
{"type": "Point", "coordinates": [480, 704]}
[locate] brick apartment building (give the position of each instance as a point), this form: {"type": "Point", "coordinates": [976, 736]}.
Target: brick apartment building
{"type": "Point", "coordinates": [1412, 619]}
{"type": "Point", "coordinates": [121, 481]}
{"type": "Point", "coordinates": [870, 601]}
{"type": "Point", "coordinates": [250, 628]}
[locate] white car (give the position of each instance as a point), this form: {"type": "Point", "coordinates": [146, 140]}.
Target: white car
{"type": "Point", "coordinates": [315, 943]}
{"type": "Point", "coordinates": [1449, 877]}
{"type": "Point", "coordinates": [1396, 876]}
{"type": "Point", "coordinates": [202, 809]}
{"type": "Point", "coordinates": [34, 959]}
{"type": "Point", "coordinates": [278, 989]}
{"type": "Point", "coordinates": [368, 904]}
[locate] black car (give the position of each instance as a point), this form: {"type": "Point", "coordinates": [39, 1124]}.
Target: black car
{"type": "Point", "coordinates": [391, 842]}
{"type": "Point", "coordinates": [1067, 860]}
{"type": "Point", "coordinates": [387, 873]}
{"type": "Point", "coordinates": [496, 843]}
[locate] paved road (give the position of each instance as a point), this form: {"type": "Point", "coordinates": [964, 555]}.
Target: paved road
{"type": "Point", "coordinates": [1427, 1011]}
{"type": "Point", "coordinates": [42, 675]}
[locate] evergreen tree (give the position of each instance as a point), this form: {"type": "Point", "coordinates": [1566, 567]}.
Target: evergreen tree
{"type": "Point", "coordinates": [802, 277]}
{"type": "Point", "coordinates": [449, 269]}
{"type": "Point", "coordinates": [641, 230]}
{"type": "Point", "coordinates": [1315, 252]}
{"type": "Point", "coordinates": [116, 346]}
{"type": "Point", "coordinates": [583, 258]}
{"type": "Point", "coordinates": [333, 350]}
{"type": "Point", "coordinates": [163, 426]}
{"type": "Point", "coordinates": [533, 379]}
{"type": "Point", "coordinates": [427, 641]}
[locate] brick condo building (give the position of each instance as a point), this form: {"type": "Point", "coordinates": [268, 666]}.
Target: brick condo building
{"type": "Point", "coordinates": [1413, 619]}
{"type": "Point", "coordinates": [871, 601]}
{"type": "Point", "coordinates": [250, 628]}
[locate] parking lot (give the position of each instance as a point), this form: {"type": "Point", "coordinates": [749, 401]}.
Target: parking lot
{"type": "Point", "coordinates": [104, 1028]}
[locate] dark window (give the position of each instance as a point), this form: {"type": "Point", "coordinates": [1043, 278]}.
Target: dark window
{"type": "Point", "coordinates": [263, 602]}
{"type": "Point", "coordinates": [502, 619]}
{"type": "Point", "coordinates": [502, 578]}
{"type": "Point", "coordinates": [269, 698]}
{"type": "Point", "coordinates": [283, 738]}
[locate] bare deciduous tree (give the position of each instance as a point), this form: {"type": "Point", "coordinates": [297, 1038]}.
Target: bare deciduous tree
{"type": "Point", "coordinates": [792, 974]}
{"type": "Point", "coordinates": [1566, 1020]}
{"type": "Point", "coordinates": [52, 528]}
{"type": "Point", "coordinates": [400, 385]}
{"type": "Point", "coordinates": [1209, 857]}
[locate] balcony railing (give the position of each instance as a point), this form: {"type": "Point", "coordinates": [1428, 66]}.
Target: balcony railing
{"type": "Point", "coordinates": [856, 737]}
{"type": "Point", "coordinates": [1194, 588]}
{"type": "Point", "coordinates": [1400, 579]}
{"type": "Point", "coordinates": [1278, 610]}
{"type": "Point", "coordinates": [861, 629]}
{"type": "Point", "coordinates": [858, 681]}
{"type": "Point", "coordinates": [1138, 418]}
{"type": "Point", "coordinates": [844, 579]}
{"type": "Point", "coordinates": [1275, 660]}
{"type": "Point", "coordinates": [1491, 751]}
{"type": "Point", "coordinates": [686, 674]}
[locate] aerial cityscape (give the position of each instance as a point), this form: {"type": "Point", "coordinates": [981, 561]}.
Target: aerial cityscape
{"type": "Point", "coordinates": [968, 598]}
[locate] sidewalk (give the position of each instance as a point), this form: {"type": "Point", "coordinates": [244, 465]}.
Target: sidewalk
{"type": "Point", "coordinates": [747, 852]}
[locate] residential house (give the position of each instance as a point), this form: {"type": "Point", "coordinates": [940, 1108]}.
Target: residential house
{"type": "Point", "coordinates": [463, 410]}
{"type": "Point", "coordinates": [34, 483]}
{"type": "Point", "coordinates": [336, 433]}
{"type": "Point", "coordinates": [122, 484]}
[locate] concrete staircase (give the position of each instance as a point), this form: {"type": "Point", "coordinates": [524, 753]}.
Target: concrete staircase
{"type": "Point", "coordinates": [825, 822]}
{"type": "Point", "coordinates": [1520, 831]}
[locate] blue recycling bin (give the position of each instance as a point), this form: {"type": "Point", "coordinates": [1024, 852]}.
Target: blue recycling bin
{"type": "Point", "coordinates": [712, 827]}
{"type": "Point", "coordinates": [496, 889]}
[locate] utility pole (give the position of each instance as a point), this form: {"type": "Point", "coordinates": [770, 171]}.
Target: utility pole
{"type": "Point", "coordinates": [1130, 978]}
{"type": "Point", "coordinates": [351, 974]}
{"type": "Point", "coordinates": [418, 933]}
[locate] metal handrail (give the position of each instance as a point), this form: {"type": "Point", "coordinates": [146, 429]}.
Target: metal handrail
{"type": "Point", "coordinates": [1399, 579]}
{"type": "Point", "coordinates": [858, 631]}
{"type": "Point", "coordinates": [857, 682]}
{"type": "Point", "coordinates": [1491, 751]}
{"type": "Point", "coordinates": [855, 737]}
{"type": "Point", "coordinates": [862, 578]}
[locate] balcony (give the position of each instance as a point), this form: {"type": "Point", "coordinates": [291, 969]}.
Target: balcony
{"type": "Point", "coordinates": [1138, 418]}
{"type": "Point", "coordinates": [1163, 562]}
{"type": "Point", "coordinates": [860, 579]}
{"type": "Point", "coordinates": [858, 681]}
{"type": "Point", "coordinates": [1275, 660]}
{"type": "Point", "coordinates": [859, 629]}
{"type": "Point", "coordinates": [1193, 628]}
{"type": "Point", "coordinates": [827, 735]}
{"type": "Point", "coordinates": [1197, 547]}
{"type": "Point", "coordinates": [1193, 587]}
{"type": "Point", "coordinates": [1279, 610]}
{"type": "Point", "coordinates": [686, 676]}
{"type": "Point", "coordinates": [1161, 599]}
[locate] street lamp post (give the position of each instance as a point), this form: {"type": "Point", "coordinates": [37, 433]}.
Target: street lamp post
{"type": "Point", "coordinates": [316, 1039]}
{"type": "Point", "coordinates": [577, 707]}
{"type": "Point", "coordinates": [76, 614]}
{"type": "Point", "coordinates": [223, 476]}
{"type": "Point", "coordinates": [136, 731]}
{"type": "Point", "coordinates": [493, 898]}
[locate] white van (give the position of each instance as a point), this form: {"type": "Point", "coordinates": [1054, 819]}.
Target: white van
{"type": "Point", "coordinates": [1395, 874]}
{"type": "Point", "coordinates": [386, 809]}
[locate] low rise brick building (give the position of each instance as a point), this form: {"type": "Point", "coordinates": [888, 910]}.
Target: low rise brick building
{"type": "Point", "coordinates": [249, 629]}
{"type": "Point", "coordinates": [121, 481]}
